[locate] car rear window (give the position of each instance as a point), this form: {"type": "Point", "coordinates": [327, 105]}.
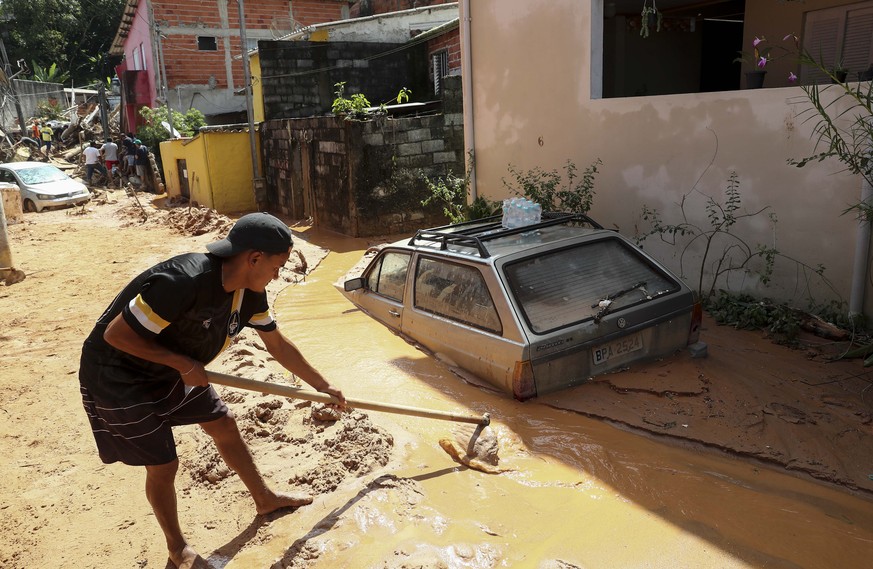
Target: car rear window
{"type": "Point", "coordinates": [455, 291]}
{"type": "Point", "coordinates": [564, 287]}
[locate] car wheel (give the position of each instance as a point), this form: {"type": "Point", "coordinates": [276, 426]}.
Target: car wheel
{"type": "Point", "coordinates": [29, 206]}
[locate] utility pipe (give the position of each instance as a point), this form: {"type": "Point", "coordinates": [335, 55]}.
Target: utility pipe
{"type": "Point", "coordinates": [467, 91]}
{"type": "Point", "coordinates": [258, 181]}
{"type": "Point", "coordinates": [862, 252]}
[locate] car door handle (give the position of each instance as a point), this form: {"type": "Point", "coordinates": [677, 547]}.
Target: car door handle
{"type": "Point", "coordinates": [393, 312]}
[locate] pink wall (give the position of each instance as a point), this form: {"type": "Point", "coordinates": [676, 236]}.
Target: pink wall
{"type": "Point", "coordinates": [140, 34]}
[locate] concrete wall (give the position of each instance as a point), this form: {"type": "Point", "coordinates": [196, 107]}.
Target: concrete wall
{"type": "Point", "coordinates": [362, 178]}
{"type": "Point", "coordinates": [396, 27]}
{"type": "Point", "coordinates": [299, 77]}
{"type": "Point", "coordinates": [532, 80]}
{"type": "Point", "coordinates": [219, 169]}
{"type": "Point", "coordinates": [371, 7]}
{"type": "Point", "coordinates": [30, 94]}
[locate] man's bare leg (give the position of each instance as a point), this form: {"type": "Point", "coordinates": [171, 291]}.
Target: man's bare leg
{"type": "Point", "coordinates": [161, 493]}
{"type": "Point", "coordinates": [236, 454]}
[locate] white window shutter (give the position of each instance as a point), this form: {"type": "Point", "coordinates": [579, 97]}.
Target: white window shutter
{"type": "Point", "coordinates": [822, 34]}
{"type": "Point", "coordinates": [858, 44]}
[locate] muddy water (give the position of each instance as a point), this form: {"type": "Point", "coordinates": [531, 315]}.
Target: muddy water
{"type": "Point", "coordinates": [578, 493]}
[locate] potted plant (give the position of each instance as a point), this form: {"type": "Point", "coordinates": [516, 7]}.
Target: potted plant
{"type": "Point", "coordinates": [762, 54]}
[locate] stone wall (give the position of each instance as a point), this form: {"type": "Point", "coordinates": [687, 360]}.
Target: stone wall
{"type": "Point", "coordinates": [363, 178]}
{"type": "Point", "coordinates": [299, 77]}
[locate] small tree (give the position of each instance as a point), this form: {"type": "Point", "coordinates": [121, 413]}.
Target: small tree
{"type": "Point", "coordinates": [153, 132]}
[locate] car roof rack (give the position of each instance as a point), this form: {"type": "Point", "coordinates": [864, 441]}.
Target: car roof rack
{"type": "Point", "coordinates": [475, 233]}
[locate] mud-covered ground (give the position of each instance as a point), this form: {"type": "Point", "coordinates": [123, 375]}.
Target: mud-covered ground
{"type": "Point", "coordinates": [793, 409]}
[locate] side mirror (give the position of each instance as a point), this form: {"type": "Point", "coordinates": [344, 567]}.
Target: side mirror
{"type": "Point", "coordinates": [354, 284]}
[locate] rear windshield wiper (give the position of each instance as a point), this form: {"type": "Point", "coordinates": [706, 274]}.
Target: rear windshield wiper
{"type": "Point", "coordinates": [607, 302]}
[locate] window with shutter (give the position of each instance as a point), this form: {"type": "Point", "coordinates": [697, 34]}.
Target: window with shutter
{"type": "Point", "coordinates": [839, 37]}
{"type": "Point", "coordinates": [440, 64]}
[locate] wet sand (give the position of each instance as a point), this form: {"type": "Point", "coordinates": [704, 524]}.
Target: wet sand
{"type": "Point", "coordinates": [577, 491]}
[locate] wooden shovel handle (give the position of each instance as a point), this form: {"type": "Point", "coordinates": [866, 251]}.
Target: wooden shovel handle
{"type": "Point", "coordinates": [306, 395]}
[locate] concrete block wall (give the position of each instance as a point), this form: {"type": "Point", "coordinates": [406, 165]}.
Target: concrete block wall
{"type": "Point", "coordinates": [362, 178]}
{"type": "Point", "coordinates": [299, 77]}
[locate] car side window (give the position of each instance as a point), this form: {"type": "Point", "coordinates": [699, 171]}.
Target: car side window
{"type": "Point", "coordinates": [6, 176]}
{"type": "Point", "coordinates": [455, 291]}
{"type": "Point", "coordinates": [388, 275]}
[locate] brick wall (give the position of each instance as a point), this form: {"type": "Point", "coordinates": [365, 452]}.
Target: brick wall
{"type": "Point", "coordinates": [451, 42]}
{"type": "Point", "coordinates": [299, 77]}
{"type": "Point", "coordinates": [363, 178]}
{"type": "Point", "coordinates": [188, 65]}
{"type": "Point", "coordinates": [308, 12]}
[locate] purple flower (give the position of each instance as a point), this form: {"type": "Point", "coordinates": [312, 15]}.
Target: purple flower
{"type": "Point", "coordinates": [762, 62]}
{"type": "Point", "coordinates": [757, 41]}
{"type": "Point", "coordinates": [792, 77]}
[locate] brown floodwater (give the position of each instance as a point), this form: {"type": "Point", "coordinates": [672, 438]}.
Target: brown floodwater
{"type": "Point", "coordinates": [577, 492]}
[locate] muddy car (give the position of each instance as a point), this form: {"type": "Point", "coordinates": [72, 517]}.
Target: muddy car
{"type": "Point", "coordinates": [531, 309]}
{"type": "Point", "coordinates": [43, 185]}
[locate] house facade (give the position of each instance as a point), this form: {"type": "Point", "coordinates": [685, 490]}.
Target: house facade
{"type": "Point", "coordinates": [189, 55]}
{"type": "Point", "coordinates": [577, 80]}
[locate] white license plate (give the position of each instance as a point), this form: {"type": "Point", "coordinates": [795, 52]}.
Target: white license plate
{"type": "Point", "coordinates": [601, 354]}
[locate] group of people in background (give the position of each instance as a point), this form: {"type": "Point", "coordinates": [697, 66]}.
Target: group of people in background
{"type": "Point", "coordinates": [107, 159]}
{"type": "Point", "coordinates": [43, 134]}
{"type": "Point", "coordinates": [130, 159]}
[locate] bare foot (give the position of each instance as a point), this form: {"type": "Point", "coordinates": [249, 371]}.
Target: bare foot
{"type": "Point", "coordinates": [187, 559]}
{"type": "Point", "coordinates": [280, 500]}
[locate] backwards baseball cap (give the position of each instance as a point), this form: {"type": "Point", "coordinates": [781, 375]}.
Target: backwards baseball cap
{"type": "Point", "coordinates": [254, 232]}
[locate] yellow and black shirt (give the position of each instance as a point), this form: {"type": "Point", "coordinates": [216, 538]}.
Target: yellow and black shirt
{"type": "Point", "coordinates": [182, 305]}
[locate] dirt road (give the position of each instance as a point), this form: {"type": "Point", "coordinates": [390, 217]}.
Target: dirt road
{"type": "Point", "coordinates": [767, 404]}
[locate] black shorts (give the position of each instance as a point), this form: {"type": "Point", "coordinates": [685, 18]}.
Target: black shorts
{"type": "Point", "coordinates": [141, 434]}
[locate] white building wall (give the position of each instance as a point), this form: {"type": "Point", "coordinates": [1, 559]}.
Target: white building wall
{"type": "Point", "coordinates": [532, 106]}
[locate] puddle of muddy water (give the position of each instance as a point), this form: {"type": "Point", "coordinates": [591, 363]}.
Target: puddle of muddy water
{"type": "Point", "coordinates": [578, 493]}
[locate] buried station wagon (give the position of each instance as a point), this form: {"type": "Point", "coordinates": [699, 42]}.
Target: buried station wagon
{"type": "Point", "coordinates": [531, 309]}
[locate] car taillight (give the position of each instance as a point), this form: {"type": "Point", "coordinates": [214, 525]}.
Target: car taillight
{"type": "Point", "coordinates": [696, 323]}
{"type": "Point", "coordinates": [523, 386]}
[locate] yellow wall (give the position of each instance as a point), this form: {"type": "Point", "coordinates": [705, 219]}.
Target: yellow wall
{"type": "Point", "coordinates": [219, 167]}
{"type": "Point", "coordinates": [257, 88]}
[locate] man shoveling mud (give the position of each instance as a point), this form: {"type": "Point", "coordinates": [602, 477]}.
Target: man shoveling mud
{"type": "Point", "coordinates": [142, 367]}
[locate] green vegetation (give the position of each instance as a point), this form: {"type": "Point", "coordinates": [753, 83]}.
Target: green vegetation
{"type": "Point", "coordinates": [153, 132]}
{"type": "Point", "coordinates": [452, 194]}
{"type": "Point", "coordinates": [49, 75]}
{"type": "Point", "coordinates": [49, 110]}
{"type": "Point", "coordinates": [354, 108]}
{"type": "Point", "coordinates": [549, 189]}
{"type": "Point", "coordinates": [74, 35]}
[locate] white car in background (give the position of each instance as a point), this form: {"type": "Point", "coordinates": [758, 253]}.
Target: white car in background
{"type": "Point", "coordinates": [43, 185]}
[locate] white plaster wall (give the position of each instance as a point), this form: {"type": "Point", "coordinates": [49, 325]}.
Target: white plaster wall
{"type": "Point", "coordinates": [532, 106]}
{"type": "Point", "coordinates": [396, 27]}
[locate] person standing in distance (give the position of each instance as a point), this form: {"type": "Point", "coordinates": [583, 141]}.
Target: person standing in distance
{"type": "Point", "coordinates": [109, 152]}
{"type": "Point", "coordinates": [46, 132]}
{"type": "Point", "coordinates": [142, 367]}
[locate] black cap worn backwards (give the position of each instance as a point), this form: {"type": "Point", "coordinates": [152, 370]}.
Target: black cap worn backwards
{"type": "Point", "coordinates": [255, 231]}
